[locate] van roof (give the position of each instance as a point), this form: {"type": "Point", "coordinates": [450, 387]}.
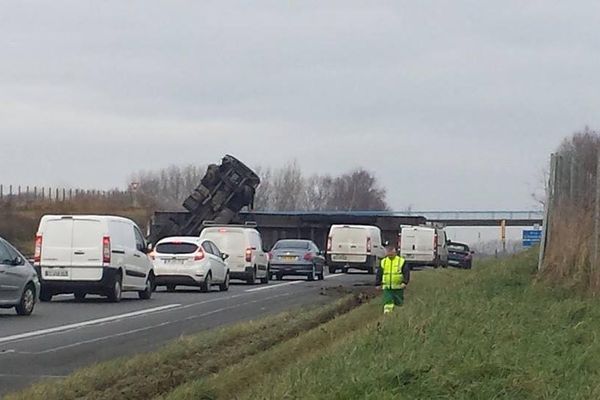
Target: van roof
{"type": "Point", "coordinates": [337, 226]}
{"type": "Point", "coordinates": [87, 216]}
{"type": "Point", "coordinates": [225, 228]}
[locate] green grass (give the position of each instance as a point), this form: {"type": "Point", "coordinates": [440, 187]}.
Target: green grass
{"type": "Point", "coordinates": [489, 333]}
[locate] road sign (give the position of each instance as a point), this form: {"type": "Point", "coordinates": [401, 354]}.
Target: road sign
{"type": "Point", "coordinates": [532, 237]}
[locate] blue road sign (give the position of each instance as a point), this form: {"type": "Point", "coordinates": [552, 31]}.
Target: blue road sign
{"type": "Point", "coordinates": [532, 237]}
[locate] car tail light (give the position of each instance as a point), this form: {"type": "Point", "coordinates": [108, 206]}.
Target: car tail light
{"type": "Point", "coordinates": [199, 255]}
{"type": "Point", "coordinates": [329, 243]}
{"type": "Point", "coordinates": [308, 257]}
{"type": "Point", "coordinates": [152, 255]}
{"type": "Point", "coordinates": [249, 254]}
{"type": "Point", "coordinates": [37, 258]}
{"type": "Point", "coordinates": [106, 250]}
{"type": "Point", "coordinates": [369, 245]}
{"type": "Point", "coordinates": [270, 256]}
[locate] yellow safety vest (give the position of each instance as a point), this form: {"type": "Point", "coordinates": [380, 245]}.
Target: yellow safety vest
{"type": "Point", "coordinates": [392, 272]}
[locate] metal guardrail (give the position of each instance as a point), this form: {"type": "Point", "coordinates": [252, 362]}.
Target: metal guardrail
{"type": "Point", "coordinates": [430, 215]}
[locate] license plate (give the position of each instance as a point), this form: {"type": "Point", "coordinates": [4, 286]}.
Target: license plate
{"type": "Point", "coordinates": [289, 258]}
{"type": "Point", "coordinates": [340, 257]}
{"type": "Point", "coordinates": [174, 261]}
{"type": "Point", "coordinates": [62, 273]}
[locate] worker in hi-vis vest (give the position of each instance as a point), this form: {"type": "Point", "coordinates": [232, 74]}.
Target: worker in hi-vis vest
{"type": "Point", "coordinates": [392, 276]}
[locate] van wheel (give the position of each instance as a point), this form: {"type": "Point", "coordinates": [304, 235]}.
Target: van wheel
{"type": "Point", "coordinates": [332, 269]}
{"type": "Point", "coordinates": [312, 275]}
{"type": "Point", "coordinates": [252, 279]}
{"type": "Point", "coordinates": [223, 287]}
{"type": "Point", "coordinates": [45, 296]}
{"type": "Point", "coordinates": [115, 292]}
{"type": "Point", "coordinates": [370, 270]}
{"type": "Point", "coordinates": [79, 296]}
{"type": "Point", "coordinates": [207, 284]}
{"type": "Point", "coordinates": [265, 280]}
{"type": "Point", "coordinates": [171, 288]}
{"type": "Point", "coordinates": [27, 302]}
{"type": "Point", "coordinates": [146, 294]}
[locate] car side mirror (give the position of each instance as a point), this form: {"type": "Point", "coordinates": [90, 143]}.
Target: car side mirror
{"type": "Point", "coordinates": [224, 256]}
{"type": "Point", "coordinates": [18, 261]}
{"type": "Point", "coordinates": [321, 253]}
{"type": "Point", "coordinates": [149, 248]}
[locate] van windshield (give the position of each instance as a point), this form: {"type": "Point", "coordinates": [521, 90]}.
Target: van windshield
{"type": "Point", "coordinates": [176, 248]}
{"type": "Point", "coordinates": [229, 242]}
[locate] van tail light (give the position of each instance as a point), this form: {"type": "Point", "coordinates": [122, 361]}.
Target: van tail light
{"type": "Point", "coordinates": [106, 252]}
{"type": "Point", "coordinates": [369, 245]}
{"type": "Point", "coordinates": [308, 257]}
{"type": "Point", "coordinates": [329, 243]}
{"type": "Point", "coordinates": [199, 255]}
{"type": "Point", "coordinates": [249, 254]}
{"type": "Point", "coordinates": [37, 258]}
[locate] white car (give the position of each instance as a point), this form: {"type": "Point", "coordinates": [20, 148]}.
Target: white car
{"type": "Point", "coordinates": [247, 258]}
{"type": "Point", "coordinates": [354, 246]}
{"type": "Point", "coordinates": [92, 254]}
{"type": "Point", "coordinates": [190, 261]}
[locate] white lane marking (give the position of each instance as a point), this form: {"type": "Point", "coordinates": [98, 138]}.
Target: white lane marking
{"type": "Point", "coordinates": [273, 286]}
{"type": "Point", "coordinates": [147, 328]}
{"type": "Point", "coordinates": [287, 284]}
{"type": "Point", "coordinates": [84, 324]}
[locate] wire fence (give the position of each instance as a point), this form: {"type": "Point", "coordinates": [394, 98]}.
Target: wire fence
{"type": "Point", "coordinates": [570, 248]}
{"type": "Point", "coordinates": [24, 194]}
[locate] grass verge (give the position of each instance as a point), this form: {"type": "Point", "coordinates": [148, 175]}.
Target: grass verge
{"type": "Point", "coordinates": [491, 333]}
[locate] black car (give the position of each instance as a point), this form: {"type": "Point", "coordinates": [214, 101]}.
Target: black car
{"type": "Point", "coordinates": [297, 257]}
{"type": "Point", "coordinates": [460, 255]}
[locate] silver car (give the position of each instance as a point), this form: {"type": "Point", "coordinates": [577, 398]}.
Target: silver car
{"type": "Point", "coordinates": [19, 283]}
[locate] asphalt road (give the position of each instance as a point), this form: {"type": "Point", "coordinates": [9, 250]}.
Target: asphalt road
{"type": "Point", "coordinates": [65, 335]}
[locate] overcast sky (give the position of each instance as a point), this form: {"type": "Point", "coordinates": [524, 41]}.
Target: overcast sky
{"type": "Point", "coordinates": [453, 104]}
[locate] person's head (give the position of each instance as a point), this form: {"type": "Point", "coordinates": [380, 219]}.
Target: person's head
{"type": "Point", "coordinates": [390, 251]}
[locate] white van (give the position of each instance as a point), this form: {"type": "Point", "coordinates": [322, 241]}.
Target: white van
{"type": "Point", "coordinates": [247, 259]}
{"type": "Point", "coordinates": [354, 246]}
{"type": "Point", "coordinates": [424, 246]}
{"type": "Point", "coordinates": [92, 254]}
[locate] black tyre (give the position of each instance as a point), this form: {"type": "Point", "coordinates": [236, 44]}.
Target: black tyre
{"type": "Point", "coordinates": [45, 296]}
{"type": "Point", "coordinates": [115, 291]}
{"type": "Point", "coordinates": [332, 269]}
{"type": "Point", "coordinates": [146, 294]}
{"type": "Point", "coordinates": [265, 280]}
{"type": "Point", "coordinates": [80, 296]}
{"type": "Point", "coordinates": [27, 302]}
{"type": "Point", "coordinates": [223, 287]}
{"type": "Point", "coordinates": [171, 287]}
{"type": "Point", "coordinates": [370, 270]}
{"type": "Point", "coordinates": [321, 276]}
{"type": "Point", "coordinates": [312, 275]}
{"type": "Point", "coordinates": [252, 279]}
{"type": "Point", "coordinates": [207, 284]}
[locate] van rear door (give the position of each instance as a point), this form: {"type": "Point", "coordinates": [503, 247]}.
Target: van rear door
{"type": "Point", "coordinates": [57, 242]}
{"type": "Point", "coordinates": [87, 242]}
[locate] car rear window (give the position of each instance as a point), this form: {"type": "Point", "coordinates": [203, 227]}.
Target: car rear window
{"type": "Point", "coordinates": [176, 248]}
{"type": "Point", "coordinates": [291, 244]}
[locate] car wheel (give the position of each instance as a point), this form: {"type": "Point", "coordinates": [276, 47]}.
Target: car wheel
{"type": "Point", "coordinates": [265, 280]}
{"type": "Point", "coordinates": [332, 270]}
{"type": "Point", "coordinates": [344, 270]}
{"type": "Point", "coordinates": [321, 275]}
{"type": "Point", "coordinates": [171, 288]}
{"type": "Point", "coordinates": [27, 302]}
{"type": "Point", "coordinates": [45, 296]}
{"type": "Point", "coordinates": [370, 270]}
{"type": "Point", "coordinates": [115, 292]}
{"type": "Point", "coordinates": [252, 279]}
{"type": "Point", "coordinates": [312, 275]}
{"type": "Point", "coordinates": [223, 287]}
{"type": "Point", "coordinates": [146, 294]}
{"type": "Point", "coordinates": [206, 286]}
{"type": "Point", "coordinates": [79, 296]}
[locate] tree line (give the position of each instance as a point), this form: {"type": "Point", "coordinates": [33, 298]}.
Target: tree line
{"type": "Point", "coordinates": [285, 188]}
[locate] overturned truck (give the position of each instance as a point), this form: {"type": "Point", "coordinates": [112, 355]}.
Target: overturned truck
{"type": "Point", "coordinates": [224, 191]}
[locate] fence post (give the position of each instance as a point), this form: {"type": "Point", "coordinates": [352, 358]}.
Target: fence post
{"type": "Point", "coordinates": [548, 210]}
{"type": "Point", "coordinates": [1, 192]}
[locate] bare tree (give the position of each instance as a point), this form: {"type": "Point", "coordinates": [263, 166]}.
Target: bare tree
{"type": "Point", "coordinates": [358, 190]}
{"type": "Point", "coordinates": [318, 193]}
{"type": "Point", "coordinates": [288, 188]}
{"type": "Point", "coordinates": [263, 198]}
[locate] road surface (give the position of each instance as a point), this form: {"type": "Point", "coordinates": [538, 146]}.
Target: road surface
{"type": "Point", "coordinates": [65, 335]}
